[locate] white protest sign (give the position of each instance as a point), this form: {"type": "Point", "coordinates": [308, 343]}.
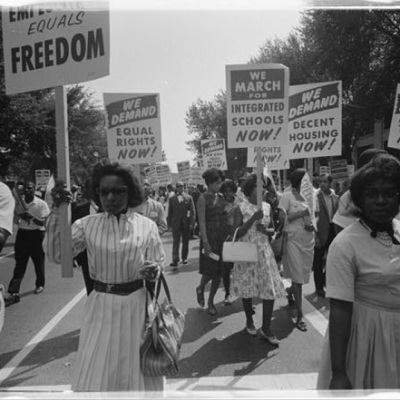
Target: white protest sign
{"type": "Point", "coordinates": [257, 105]}
{"type": "Point", "coordinates": [151, 175]}
{"type": "Point", "coordinates": [394, 132]}
{"type": "Point", "coordinates": [273, 156]}
{"type": "Point", "coordinates": [42, 178]}
{"type": "Point", "coordinates": [184, 171]}
{"type": "Point", "coordinates": [339, 169]}
{"type": "Point", "coordinates": [214, 153]}
{"type": "Point", "coordinates": [164, 174]}
{"type": "Point", "coordinates": [55, 43]}
{"type": "Point", "coordinates": [196, 175]}
{"type": "Point", "coordinates": [133, 127]}
{"type": "Point", "coordinates": [324, 170]}
{"type": "Point", "coordinates": [315, 120]}
{"type": "Point", "coordinates": [307, 191]}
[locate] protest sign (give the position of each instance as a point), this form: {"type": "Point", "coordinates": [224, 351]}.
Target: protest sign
{"type": "Point", "coordinates": [324, 170]}
{"type": "Point", "coordinates": [394, 132]}
{"type": "Point", "coordinates": [214, 153]}
{"type": "Point", "coordinates": [307, 191]}
{"type": "Point", "coordinates": [151, 175]}
{"type": "Point", "coordinates": [133, 127]}
{"type": "Point", "coordinates": [257, 105]}
{"type": "Point", "coordinates": [42, 178]}
{"type": "Point", "coordinates": [315, 120]}
{"type": "Point", "coordinates": [184, 171]}
{"type": "Point", "coordinates": [339, 170]}
{"type": "Point", "coordinates": [51, 44]}
{"type": "Point", "coordinates": [196, 175]}
{"type": "Point", "coordinates": [273, 156]}
{"type": "Point", "coordinates": [163, 174]}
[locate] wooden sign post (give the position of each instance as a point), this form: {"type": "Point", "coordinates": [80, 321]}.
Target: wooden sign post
{"type": "Point", "coordinates": [259, 178]}
{"type": "Point", "coordinates": [63, 173]}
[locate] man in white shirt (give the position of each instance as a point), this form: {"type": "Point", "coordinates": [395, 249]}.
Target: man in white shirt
{"type": "Point", "coordinates": [28, 243]}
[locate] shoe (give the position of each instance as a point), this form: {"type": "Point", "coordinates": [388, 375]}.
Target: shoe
{"type": "Point", "coordinates": [212, 310]}
{"type": "Point", "coordinates": [272, 339]}
{"type": "Point", "coordinates": [200, 297]}
{"type": "Point", "coordinates": [301, 326]}
{"type": "Point", "coordinates": [320, 293]}
{"type": "Point", "coordinates": [184, 262]}
{"type": "Point", "coordinates": [38, 290]}
{"type": "Point", "coordinates": [174, 264]}
{"type": "Point", "coordinates": [228, 301]}
{"type": "Point", "coordinates": [12, 299]}
{"type": "Point", "coordinates": [251, 330]}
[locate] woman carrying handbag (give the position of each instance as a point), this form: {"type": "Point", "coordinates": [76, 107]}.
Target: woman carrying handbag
{"type": "Point", "coordinates": [258, 279]}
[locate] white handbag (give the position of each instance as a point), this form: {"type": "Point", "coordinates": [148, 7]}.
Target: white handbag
{"type": "Point", "coordinates": [239, 251]}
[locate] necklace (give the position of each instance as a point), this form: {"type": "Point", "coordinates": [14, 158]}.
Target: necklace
{"type": "Point", "coordinates": [382, 237]}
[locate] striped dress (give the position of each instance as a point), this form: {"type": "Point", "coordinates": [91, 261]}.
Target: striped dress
{"type": "Point", "coordinates": [108, 357]}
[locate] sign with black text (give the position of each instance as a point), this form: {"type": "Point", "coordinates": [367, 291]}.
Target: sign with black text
{"type": "Point", "coordinates": [257, 105]}
{"type": "Point", "coordinates": [184, 171]}
{"type": "Point", "coordinates": [274, 157]}
{"type": "Point", "coordinates": [55, 43]}
{"type": "Point", "coordinates": [133, 127]}
{"type": "Point", "coordinates": [214, 153]}
{"type": "Point", "coordinates": [315, 120]}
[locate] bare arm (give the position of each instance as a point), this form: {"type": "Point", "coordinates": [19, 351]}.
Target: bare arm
{"type": "Point", "coordinates": [3, 238]}
{"type": "Point", "coordinates": [201, 209]}
{"type": "Point", "coordinates": [339, 332]}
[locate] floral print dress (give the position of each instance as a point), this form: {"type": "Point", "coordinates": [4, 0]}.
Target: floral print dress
{"type": "Point", "coordinates": [260, 279]}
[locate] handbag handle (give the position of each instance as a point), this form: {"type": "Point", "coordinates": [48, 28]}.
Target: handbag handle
{"type": "Point", "coordinates": [234, 235]}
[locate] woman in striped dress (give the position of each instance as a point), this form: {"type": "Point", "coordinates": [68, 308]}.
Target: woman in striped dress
{"type": "Point", "coordinates": [123, 248]}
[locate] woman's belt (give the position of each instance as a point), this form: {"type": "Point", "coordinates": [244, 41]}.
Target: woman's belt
{"type": "Point", "coordinates": [122, 289]}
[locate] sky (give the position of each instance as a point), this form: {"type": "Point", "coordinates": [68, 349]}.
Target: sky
{"type": "Point", "coordinates": [181, 52]}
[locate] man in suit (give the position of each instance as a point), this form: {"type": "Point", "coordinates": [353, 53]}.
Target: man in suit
{"type": "Point", "coordinates": [328, 204]}
{"type": "Point", "coordinates": [181, 218]}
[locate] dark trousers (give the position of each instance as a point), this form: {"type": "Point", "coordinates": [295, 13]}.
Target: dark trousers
{"type": "Point", "coordinates": [27, 244]}
{"type": "Point", "coordinates": [183, 231]}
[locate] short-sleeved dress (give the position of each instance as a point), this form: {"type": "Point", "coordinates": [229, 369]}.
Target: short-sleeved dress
{"type": "Point", "coordinates": [260, 279]}
{"type": "Point", "coordinates": [362, 270]}
{"type": "Point", "coordinates": [299, 253]}
{"type": "Point", "coordinates": [108, 357]}
{"type": "Point", "coordinates": [215, 215]}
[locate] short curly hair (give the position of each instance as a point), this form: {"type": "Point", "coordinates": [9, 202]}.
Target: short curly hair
{"type": "Point", "coordinates": [249, 184]}
{"type": "Point", "coordinates": [211, 175]}
{"type": "Point", "coordinates": [296, 176]}
{"type": "Point", "coordinates": [384, 166]}
{"type": "Point", "coordinates": [135, 193]}
{"type": "Point", "coordinates": [228, 184]}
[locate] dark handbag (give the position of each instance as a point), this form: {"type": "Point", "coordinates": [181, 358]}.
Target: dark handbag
{"type": "Point", "coordinates": [278, 244]}
{"type": "Point", "coordinates": [161, 344]}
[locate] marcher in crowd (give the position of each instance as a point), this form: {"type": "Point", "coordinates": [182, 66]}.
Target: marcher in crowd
{"type": "Point", "coordinates": [87, 207]}
{"type": "Point", "coordinates": [152, 209]}
{"type": "Point", "coordinates": [328, 203]}
{"type": "Point", "coordinates": [181, 217]}
{"type": "Point", "coordinates": [123, 248]}
{"type": "Point", "coordinates": [212, 221]}
{"type": "Point", "coordinates": [28, 243]}
{"type": "Point", "coordinates": [228, 189]}
{"type": "Point", "coordinates": [299, 252]}
{"type": "Point", "coordinates": [260, 279]}
{"type": "Point", "coordinates": [362, 347]}
{"type": "Point", "coordinates": [347, 211]}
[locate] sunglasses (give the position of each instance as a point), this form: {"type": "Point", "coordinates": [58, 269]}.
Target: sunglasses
{"type": "Point", "coordinates": [119, 191]}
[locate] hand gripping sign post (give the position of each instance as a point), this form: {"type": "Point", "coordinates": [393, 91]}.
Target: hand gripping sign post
{"type": "Point", "coordinates": [257, 109]}
{"type": "Point", "coordinates": [50, 45]}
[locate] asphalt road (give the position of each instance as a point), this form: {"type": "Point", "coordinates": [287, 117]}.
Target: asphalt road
{"type": "Point", "coordinates": [40, 337]}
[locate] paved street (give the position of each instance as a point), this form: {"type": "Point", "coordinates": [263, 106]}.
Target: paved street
{"type": "Point", "coordinates": [40, 338]}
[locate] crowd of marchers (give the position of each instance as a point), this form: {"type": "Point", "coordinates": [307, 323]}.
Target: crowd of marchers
{"type": "Point", "coordinates": [348, 241]}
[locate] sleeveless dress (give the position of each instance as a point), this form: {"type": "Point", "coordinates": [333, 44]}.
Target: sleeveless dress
{"type": "Point", "coordinates": [260, 279]}
{"type": "Point", "coordinates": [365, 272]}
{"type": "Point", "coordinates": [215, 216]}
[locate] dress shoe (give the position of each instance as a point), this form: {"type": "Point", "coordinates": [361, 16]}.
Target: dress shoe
{"type": "Point", "coordinates": [38, 290]}
{"type": "Point", "coordinates": [320, 292]}
{"type": "Point", "coordinates": [12, 299]}
{"type": "Point", "coordinates": [251, 330]}
{"type": "Point", "coordinates": [272, 339]}
{"type": "Point", "coordinates": [184, 262]}
{"type": "Point", "coordinates": [174, 264]}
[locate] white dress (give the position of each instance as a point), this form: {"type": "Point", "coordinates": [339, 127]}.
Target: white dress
{"type": "Point", "coordinates": [108, 357]}
{"type": "Point", "coordinates": [260, 279]}
{"type": "Point", "coordinates": [361, 270]}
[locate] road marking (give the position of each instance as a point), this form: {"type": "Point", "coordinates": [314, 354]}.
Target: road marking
{"type": "Point", "coordinates": [7, 255]}
{"type": "Point", "coordinates": [8, 369]}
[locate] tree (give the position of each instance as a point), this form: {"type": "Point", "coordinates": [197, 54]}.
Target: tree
{"type": "Point", "coordinates": [207, 120]}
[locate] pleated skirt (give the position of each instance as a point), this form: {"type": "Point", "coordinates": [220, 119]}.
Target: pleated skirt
{"type": "Point", "coordinates": [373, 354]}
{"type": "Point", "coordinates": [108, 357]}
